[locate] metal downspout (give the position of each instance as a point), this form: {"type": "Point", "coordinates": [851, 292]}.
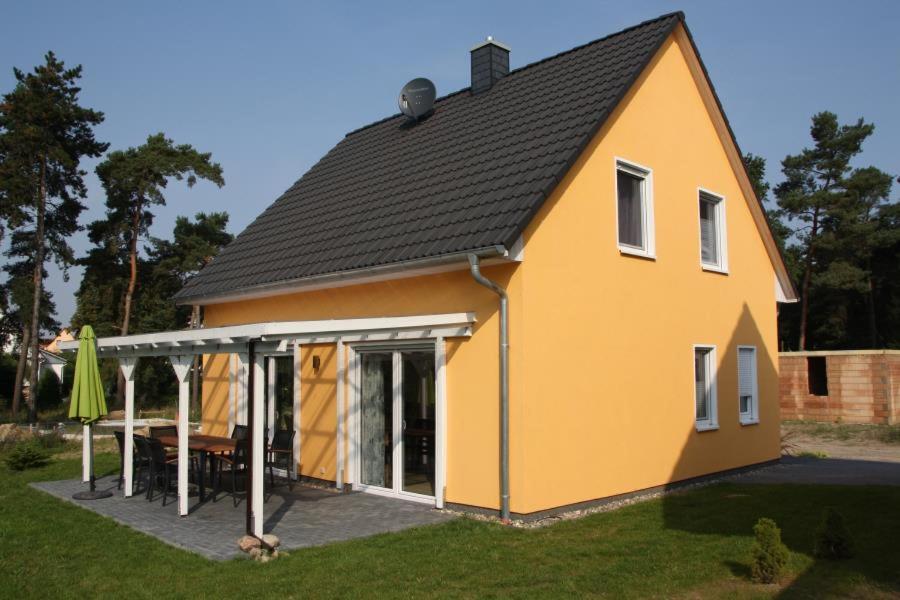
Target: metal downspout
{"type": "Point", "coordinates": [504, 383]}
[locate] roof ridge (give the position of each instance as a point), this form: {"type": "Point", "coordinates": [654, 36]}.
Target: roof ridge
{"type": "Point", "coordinates": [679, 14]}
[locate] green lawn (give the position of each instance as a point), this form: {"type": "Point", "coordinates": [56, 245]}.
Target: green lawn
{"type": "Point", "coordinates": [693, 544]}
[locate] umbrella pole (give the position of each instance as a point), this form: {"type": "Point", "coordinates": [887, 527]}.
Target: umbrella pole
{"type": "Point", "coordinates": [92, 494]}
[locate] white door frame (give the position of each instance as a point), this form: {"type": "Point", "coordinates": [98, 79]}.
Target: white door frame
{"type": "Point", "coordinates": [433, 345]}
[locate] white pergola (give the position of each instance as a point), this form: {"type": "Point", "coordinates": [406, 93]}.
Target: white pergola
{"type": "Point", "coordinates": [279, 337]}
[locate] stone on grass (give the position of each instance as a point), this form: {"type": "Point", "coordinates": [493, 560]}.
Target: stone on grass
{"type": "Point", "coordinates": [271, 540]}
{"type": "Point", "coordinates": [247, 543]}
{"type": "Point", "coordinates": [255, 552]}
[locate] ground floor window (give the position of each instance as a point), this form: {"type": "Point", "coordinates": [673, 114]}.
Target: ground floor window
{"type": "Point", "coordinates": [705, 409]}
{"type": "Point", "coordinates": [748, 403]}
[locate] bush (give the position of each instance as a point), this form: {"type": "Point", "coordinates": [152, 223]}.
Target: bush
{"type": "Point", "coordinates": [769, 553]}
{"type": "Point", "coordinates": [832, 537]}
{"type": "Point", "coordinates": [29, 454]}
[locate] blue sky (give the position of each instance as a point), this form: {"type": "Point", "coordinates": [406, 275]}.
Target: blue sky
{"type": "Point", "coordinates": [269, 87]}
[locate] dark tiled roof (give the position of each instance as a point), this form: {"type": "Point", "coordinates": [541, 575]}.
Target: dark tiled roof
{"type": "Point", "coordinates": [471, 176]}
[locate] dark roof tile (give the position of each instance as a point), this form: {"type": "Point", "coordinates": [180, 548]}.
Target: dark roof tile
{"type": "Point", "coordinates": [470, 176]}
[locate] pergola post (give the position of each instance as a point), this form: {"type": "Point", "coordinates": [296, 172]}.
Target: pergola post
{"type": "Point", "coordinates": [258, 441]}
{"type": "Point", "coordinates": [243, 382]}
{"type": "Point", "coordinates": [127, 365]}
{"type": "Point", "coordinates": [232, 393]}
{"type": "Point", "coordinates": [182, 365]}
{"type": "Point", "coordinates": [295, 472]}
{"type": "Point", "coordinates": [339, 382]}
{"type": "Point", "coordinates": [440, 421]}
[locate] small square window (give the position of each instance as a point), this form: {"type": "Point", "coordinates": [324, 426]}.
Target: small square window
{"type": "Point", "coordinates": [713, 250]}
{"type": "Point", "coordinates": [634, 209]}
{"type": "Point", "coordinates": [705, 404]}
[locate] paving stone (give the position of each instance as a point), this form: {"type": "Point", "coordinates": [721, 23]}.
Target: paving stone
{"type": "Point", "coordinates": [300, 518]}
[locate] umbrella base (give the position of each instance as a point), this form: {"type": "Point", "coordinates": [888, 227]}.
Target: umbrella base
{"type": "Point", "coordinates": [95, 495]}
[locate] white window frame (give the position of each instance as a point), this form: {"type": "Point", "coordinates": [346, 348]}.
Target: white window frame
{"type": "Point", "coordinates": [752, 416]}
{"type": "Point", "coordinates": [711, 422]}
{"type": "Point", "coordinates": [647, 219]}
{"type": "Point", "coordinates": [720, 266]}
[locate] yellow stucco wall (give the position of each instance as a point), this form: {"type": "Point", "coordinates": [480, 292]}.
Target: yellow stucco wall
{"type": "Point", "coordinates": [472, 366]}
{"type": "Point", "coordinates": [601, 344]}
{"type": "Point", "coordinates": [608, 361]}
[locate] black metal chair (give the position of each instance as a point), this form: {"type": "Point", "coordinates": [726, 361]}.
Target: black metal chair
{"type": "Point", "coordinates": [280, 454]}
{"type": "Point", "coordinates": [144, 459]}
{"type": "Point", "coordinates": [164, 468]}
{"type": "Point", "coordinates": [136, 460]}
{"type": "Point", "coordinates": [239, 432]}
{"type": "Point", "coordinates": [159, 431]}
{"type": "Point", "coordinates": [237, 465]}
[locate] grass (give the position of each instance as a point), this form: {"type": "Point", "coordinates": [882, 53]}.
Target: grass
{"type": "Point", "coordinates": [845, 432]}
{"type": "Point", "coordinates": [692, 544]}
{"type": "Point", "coordinates": [810, 454]}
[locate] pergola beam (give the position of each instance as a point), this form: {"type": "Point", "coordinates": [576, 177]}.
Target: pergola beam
{"type": "Point", "coordinates": [182, 366]}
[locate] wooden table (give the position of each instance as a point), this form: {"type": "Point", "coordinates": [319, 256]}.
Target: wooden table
{"type": "Point", "coordinates": [206, 445]}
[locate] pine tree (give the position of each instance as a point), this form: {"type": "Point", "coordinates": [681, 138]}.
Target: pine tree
{"type": "Point", "coordinates": [815, 182]}
{"type": "Point", "coordinates": [134, 180]}
{"type": "Point", "coordinates": [44, 134]}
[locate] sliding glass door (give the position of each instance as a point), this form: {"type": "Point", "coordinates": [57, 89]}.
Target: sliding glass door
{"type": "Point", "coordinates": [397, 420]}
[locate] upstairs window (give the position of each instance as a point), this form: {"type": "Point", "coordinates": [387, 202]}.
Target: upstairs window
{"type": "Point", "coordinates": [634, 209]}
{"type": "Point", "coordinates": [748, 403]}
{"type": "Point", "coordinates": [705, 408]}
{"type": "Point", "coordinates": [712, 232]}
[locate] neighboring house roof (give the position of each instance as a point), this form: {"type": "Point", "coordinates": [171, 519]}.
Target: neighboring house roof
{"type": "Point", "coordinates": [468, 178]}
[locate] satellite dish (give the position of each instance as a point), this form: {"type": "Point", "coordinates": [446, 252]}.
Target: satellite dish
{"type": "Point", "coordinates": [417, 98]}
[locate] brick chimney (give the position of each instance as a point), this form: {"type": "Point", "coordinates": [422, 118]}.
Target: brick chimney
{"type": "Point", "coordinates": [490, 62]}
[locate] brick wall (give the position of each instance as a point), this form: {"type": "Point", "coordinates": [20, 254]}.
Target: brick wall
{"type": "Point", "coordinates": [863, 387]}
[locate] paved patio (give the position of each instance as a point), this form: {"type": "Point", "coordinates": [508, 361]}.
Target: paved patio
{"type": "Point", "coordinates": [302, 518]}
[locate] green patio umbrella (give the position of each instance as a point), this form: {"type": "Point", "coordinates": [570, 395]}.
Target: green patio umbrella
{"type": "Point", "coordinates": [88, 402]}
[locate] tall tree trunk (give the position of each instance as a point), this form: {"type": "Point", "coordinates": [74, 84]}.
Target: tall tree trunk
{"type": "Point", "coordinates": [873, 323]}
{"type": "Point", "coordinates": [195, 375]}
{"type": "Point", "coordinates": [129, 292]}
{"type": "Point", "coordinates": [807, 279]}
{"type": "Point", "coordinates": [20, 369]}
{"type": "Point", "coordinates": [38, 282]}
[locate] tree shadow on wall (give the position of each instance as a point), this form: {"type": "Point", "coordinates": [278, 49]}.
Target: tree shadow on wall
{"type": "Point", "coordinates": [729, 510]}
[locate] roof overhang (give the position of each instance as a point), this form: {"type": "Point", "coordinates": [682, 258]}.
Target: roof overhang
{"type": "Point", "coordinates": [414, 268]}
{"type": "Point", "coordinates": [275, 336]}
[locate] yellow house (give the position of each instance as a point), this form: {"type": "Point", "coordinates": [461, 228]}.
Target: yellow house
{"type": "Point", "coordinates": [600, 197]}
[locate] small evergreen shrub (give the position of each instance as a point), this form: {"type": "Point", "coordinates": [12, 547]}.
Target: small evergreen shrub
{"type": "Point", "coordinates": [28, 454]}
{"type": "Point", "coordinates": [769, 553]}
{"type": "Point", "coordinates": [832, 537]}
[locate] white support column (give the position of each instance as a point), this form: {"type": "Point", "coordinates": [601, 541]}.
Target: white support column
{"type": "Point", "coordinates": [258, 445]}
{"type": "Point", "coordinates": [127, 367]}
{"type": "Point", "coordinates": [182, 366]}
{"type": "Point", "coordinates": [270, 400]}
{"type": "Point", "coordinates": [440, 443]}
{"type": "Point", "coordinates": [243, 414]}
{"type": "Point", "coordinates": [295, 472]}
{"type": "Point", "coordinates": [339, 382]}
{"type": "Point", "coordinates": [87, 454]}
{"type": "Point", "coordinates": [232, 390]}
